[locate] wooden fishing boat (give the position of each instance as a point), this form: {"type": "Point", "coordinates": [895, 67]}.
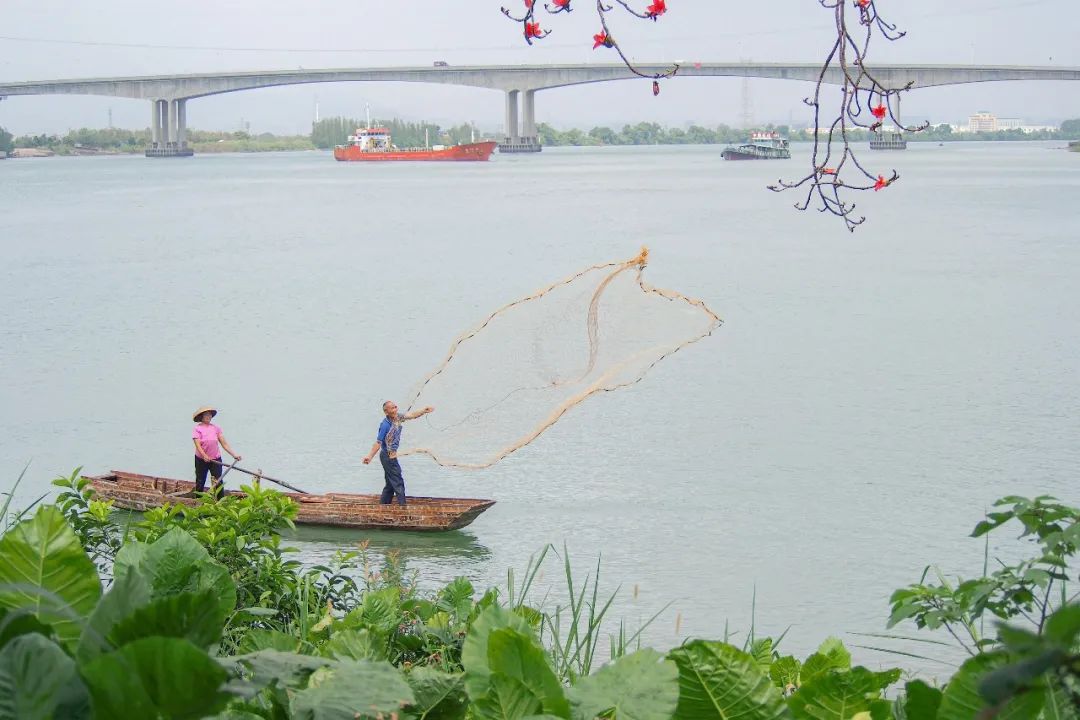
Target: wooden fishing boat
{"type": "Point", "coordinates": [132, 491]}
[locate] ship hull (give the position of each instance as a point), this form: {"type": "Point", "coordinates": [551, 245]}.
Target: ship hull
{"type": "Point", "coordinates": [463, 153]}
{"type": "Point", "coordinates": [733, 154]}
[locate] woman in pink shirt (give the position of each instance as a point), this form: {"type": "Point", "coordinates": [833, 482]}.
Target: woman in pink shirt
{"type": "Point", "coordinates": [207, 437]}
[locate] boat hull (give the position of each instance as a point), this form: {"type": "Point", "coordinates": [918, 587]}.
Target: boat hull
{"type": "Point", "coordinates": [737, 154]}
{"type": "Point", "coordinates": [132, 491]}
{"type": "Point", "coordinates": [463, 153]}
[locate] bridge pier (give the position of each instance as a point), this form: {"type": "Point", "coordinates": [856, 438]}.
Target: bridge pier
{"type": "Point", "coordinates": [525, 140]}
{"type": "Point", "coordinates": [168, 129]}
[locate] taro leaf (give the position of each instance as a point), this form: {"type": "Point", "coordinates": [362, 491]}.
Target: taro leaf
{"type": "Point", "coordinates": [921, 702]}
{"type": "Point", "coordinates": [639, 686]}
{"type": "Point", "coordinates": [355, 645]}
{"type": "Point", "coordinates": [129, 592]}
{"type": "Point", "coordinates": [1064, 625]}
{"type": "Point", "coordinates": [258, 639]}
{"type": "Point", "coordinates": [519, 657]}
{"type": "Point", "coordinates": [717, 680]}
{"type": "Point", "coordinates": [155, 678]}
{"type": "Point", "coordinates": [962, 701]}
{"type": "Point", "coordinates": [832, 655]}
{"type": "Point", "coordinates": [176, 563]}
{"type": "Point", "coordinates": [507, 698]}
{"type": "Point", "coordinates": [457, 596]}
{"type": "Point", "coordinates": [287, 669]}
{"type": "Point", "coordinates": [353, 689]}
{"type": "Point", "coordinates": [194, 616]}
{"type": "Point", "coordinates": [38, 680]}
{"type": "Point", "coordinates": [130, 555]}
{"type": "Point", "coordinates": [14, 623]}
{"type": "Point", "coordinates": [784, 672]}
{"type": "Point", "coordinates": [236, 715]}
{"type": "Point", "coordinates": [379, 611]}
{"type": "Point", "coordinates": [43, 568]}
{"type": "Point", "coordinates": [438, 695]}
{"type": "Point", "coordinates": [840, 695]}
{"type": "Point", "coordinates": [474, 652]}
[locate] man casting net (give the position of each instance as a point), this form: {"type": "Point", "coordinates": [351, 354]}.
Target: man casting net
{"type": "Point", "coordinates": [509, 379]}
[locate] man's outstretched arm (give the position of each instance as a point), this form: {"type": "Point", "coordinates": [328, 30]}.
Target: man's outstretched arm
{"type": "Point", "coordinates": [417, 413]}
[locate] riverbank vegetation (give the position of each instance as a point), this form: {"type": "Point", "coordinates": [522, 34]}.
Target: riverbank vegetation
{"type": "Point", "coordinates": [333, 131]}
{"type": "Point", "coordinates": [198, 612]}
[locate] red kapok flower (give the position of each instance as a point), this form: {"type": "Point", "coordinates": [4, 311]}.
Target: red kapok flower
{"type": "Point", "coordinates": [879, 111]}
{"type": "Point", "coordinates": [658, 8]}
{"type": "Point", "coordinates": [601, 38]}
{"type": "Point", "coordinates": [532, 30]}
{"type": "Point", "coordinates": [881, 182]}
{"type": "Point", "coordinates": [529, 4]}
{"type": "Point", "coordinates": [862, 3]}
{"type": "Point", "coordinates": [828, 171]}
{"type": "Point", "coordinates": [655, 88]}
{"type": "Point", "coordinates": [561, 4]}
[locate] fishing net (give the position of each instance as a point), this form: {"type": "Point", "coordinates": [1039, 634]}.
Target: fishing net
{"type": "Point", "coordinates": [509, 379]}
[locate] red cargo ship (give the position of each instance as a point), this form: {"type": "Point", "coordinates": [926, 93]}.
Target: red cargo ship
{"type": "Point", "coordinates": [374, 143]}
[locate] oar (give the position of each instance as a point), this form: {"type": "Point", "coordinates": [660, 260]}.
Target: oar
{"type": "Point", "coordinates": [282, 483]}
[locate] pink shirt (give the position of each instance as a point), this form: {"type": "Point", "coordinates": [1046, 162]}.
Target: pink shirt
{"type": "Point", "coordinates": [208, 435]}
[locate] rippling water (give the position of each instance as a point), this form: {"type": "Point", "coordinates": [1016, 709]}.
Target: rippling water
{"type": "Point", "coordinates": [868, 396]}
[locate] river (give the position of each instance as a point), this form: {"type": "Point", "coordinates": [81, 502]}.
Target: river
{"type": "Point", "coordinates": [867, 397]}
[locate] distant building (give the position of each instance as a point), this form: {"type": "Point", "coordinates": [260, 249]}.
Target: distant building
{"type": "Point", "coordinates": [982, 121]}
{"type": "Point", "coordinates": [1009, 123]}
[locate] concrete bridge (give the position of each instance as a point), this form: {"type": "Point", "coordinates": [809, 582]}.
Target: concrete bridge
{"type": "Point", "coordinates": [168, 94]}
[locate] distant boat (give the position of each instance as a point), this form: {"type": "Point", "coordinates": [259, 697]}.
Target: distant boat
{"type": "Point", "coordinates": [375, 144]}
{"type": "Point", "coordinates": [762, 146]}
{"type": "Point", "coordinates": [887, 140]}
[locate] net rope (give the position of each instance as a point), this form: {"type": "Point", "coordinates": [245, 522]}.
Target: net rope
{"type": "Point", "coordinates": [510, 378]}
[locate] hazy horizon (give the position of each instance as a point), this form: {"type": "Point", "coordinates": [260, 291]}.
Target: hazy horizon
{"type": "Point", "coordinates": [49, 39]}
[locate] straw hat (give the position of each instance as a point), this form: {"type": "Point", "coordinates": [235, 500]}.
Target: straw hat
{"type": "Point", "coordinates": [200, 411]}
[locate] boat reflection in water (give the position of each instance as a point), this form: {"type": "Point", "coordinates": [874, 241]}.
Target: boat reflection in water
{"type": "Point", "coordinates": [434, 558]}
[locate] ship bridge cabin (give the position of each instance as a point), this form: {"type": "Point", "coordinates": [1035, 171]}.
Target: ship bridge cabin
{"type": "Point", "coordinates": [372, 139]}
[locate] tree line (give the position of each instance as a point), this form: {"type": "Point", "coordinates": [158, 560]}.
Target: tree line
{"type": "Point", "coordinates": [334, 131]}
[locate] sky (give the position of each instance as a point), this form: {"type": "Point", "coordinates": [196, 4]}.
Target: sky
{"type": "Point", "coordinates": [60, 39]}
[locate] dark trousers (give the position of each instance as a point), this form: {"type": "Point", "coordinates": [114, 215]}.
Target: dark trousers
{"type": "Point", "coordinates": [201, 468]}
{"type": "Point", "coordinates": [395, 483]}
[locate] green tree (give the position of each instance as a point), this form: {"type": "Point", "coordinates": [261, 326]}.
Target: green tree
{"type": "Point", "coordinates": [6, 143]}
{"type": "Point", "coordinates": [1071, 128]}
{"type": "Point", "coordinates": [604, 135]}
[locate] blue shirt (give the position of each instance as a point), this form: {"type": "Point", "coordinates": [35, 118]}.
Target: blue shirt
{"type": "Point", "coordinates": [389, 435]}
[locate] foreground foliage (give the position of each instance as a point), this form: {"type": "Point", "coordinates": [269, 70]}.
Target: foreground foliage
{"type": "Point", "coordinates": [202, 616]}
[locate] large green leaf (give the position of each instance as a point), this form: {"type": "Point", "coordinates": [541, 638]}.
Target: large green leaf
{"type": "Point", "coordinates": [438, 695]}
{"type": "Point", "coordinates": [14, 623]}
{"type": "Point", "coordinates": [784, 672]}
{"type": "Point", "coordinates": [831, 655]}
{"type": "Point", "coordinates": [359, 644]}
{"type": "Point", "coordinates": [840, 695]}
{"type": "Point", "coordinates": [39, 682]}
{"type": "Point", "coordinates": [639, 686]}
{"type": "Point", "coordinates": [474, 652]}
{"type": "Point", "coordinates": [717, 680]}
{"type": "Point", "coordinates": [962, 701]}
{"type": "Point", "coordinates": [155, 678]}
{"type": "Point", "coordinates": [507, 698]}
{"type": "Point", "coordinates": [258, 639]}
{"type": "Point", "coordinates": [176, 563]}
{"type": "Point", "coordinates": [285, 668]}
{"type": "Point", "coordinates": [518, 656]}
{"type": "Point", "coordinates": [129, 592]}
{"type": "Point", "coordinates": [921, 702]}
{"type": "Point", "coordinates": [44, 568]}
{"type": "Point", "coordinates": [353, 689]}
